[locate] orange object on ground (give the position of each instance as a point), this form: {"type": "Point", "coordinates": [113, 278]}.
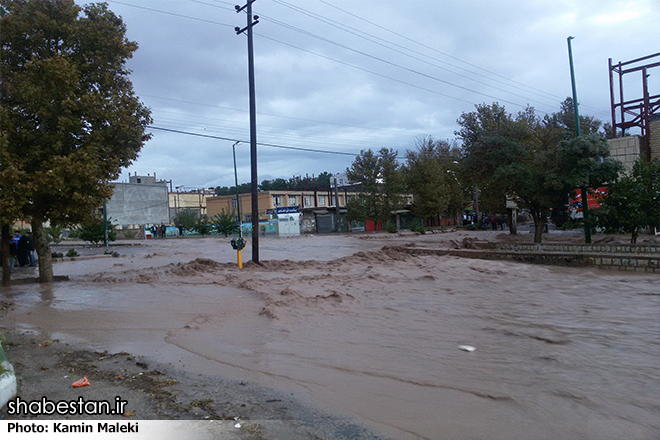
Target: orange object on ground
{"type": "Point", "coordinates": [81, 383]}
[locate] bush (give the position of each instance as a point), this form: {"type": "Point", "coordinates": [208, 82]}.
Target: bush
{"type": "Point", "coordinates": [224, 224]}
{"type": "Point", "coordinates": [418, 228]}
{"type": "Point", "coordinates": [72, 253]}
{"type": "Point", "coordinates": [390, 227]}
{"type": "Point", "coordinates": [95, 233]}
{"type": "Point", "coordinates": [202, 226]}
{"type": "Point", "coordinates": [577, 224]}
{"type": "Point", "coordinates": [53, 234]}
{"type": "Point", "coordinates": [186, 219]}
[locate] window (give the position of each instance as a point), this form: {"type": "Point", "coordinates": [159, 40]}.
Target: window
{"type": "Point", "coordinates": [234, 203]}
{"type": "Point", "coordinates": [292, 200]}
{"type": "Point", "coordinates": [277, 201]}
{"type": "Point", "coordinates": [308, 201]}
{"type": "Point", "coordinates": [321, 200]}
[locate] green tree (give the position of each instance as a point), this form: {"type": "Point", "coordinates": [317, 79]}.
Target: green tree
{"type": "Point", "coordinates": [432, 175]}
{"type": "Point", "coordinates": [323, 181]}
{"type": "Point", "coordinates": [69, 115]}
{"type": "Point", "coordinates": [12, 198]}
{"type": "Point", "coordinates": [54, 234]}
{"type": "Point", "coordinates": [564, 119]}
{"type": "Point", "coordinates": [632, 202]}
{"type": "Point", "coordinates": [202, 226]}
{"type": "Point", "coordinates": [275, 184]}
{"type": "Point", "coordinates": [94, 232]}
{"type": "Point", "coordinates": [382, 183]}
{"type": "Point", "coordinates": [483, 134]}
{"type": "Point", "coordinates": [524, 157]}
{"type": "Point", "coordinates": [230, 191]}
{"type": "Point", "coordinates": [185, 218]}
{"type": "Point", "coordinates": [225, 223]}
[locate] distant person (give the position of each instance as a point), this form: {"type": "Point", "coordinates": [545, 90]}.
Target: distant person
{"type": "Point", "coordinates": [13, 252]}
{"type": "Point", "coordinates": [32, 254]}
{"type": "Point", "coordinates": [504, 220]}
{"type": "Point", "coordinates": [23, 251]}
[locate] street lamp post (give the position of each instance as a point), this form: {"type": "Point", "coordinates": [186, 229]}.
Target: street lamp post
{"type": "Point", "coordinates": [583, 190]}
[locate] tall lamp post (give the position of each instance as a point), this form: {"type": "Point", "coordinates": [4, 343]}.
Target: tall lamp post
{"type": "Point", "coordinates": [583, 190]}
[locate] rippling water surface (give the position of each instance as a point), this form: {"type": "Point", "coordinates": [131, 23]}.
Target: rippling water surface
{"type": "Point", "coordinates": [560, 352]}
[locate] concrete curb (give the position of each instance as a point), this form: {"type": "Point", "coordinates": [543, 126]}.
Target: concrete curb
{"type": "Point", "coordinates": [623, 262]}
{"type": "Point", "coordinates": [8, 387]}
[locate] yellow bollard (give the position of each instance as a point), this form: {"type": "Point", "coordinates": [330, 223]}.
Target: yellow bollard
{"type": "Point", "coordinates": [240, 259]}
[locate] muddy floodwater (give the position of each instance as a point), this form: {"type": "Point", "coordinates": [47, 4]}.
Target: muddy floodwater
{"type": "Point", "coordinates": [376, 333]}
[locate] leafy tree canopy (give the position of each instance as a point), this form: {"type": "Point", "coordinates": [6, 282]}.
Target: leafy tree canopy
{"type": "Point", "coordinates": [432, 175]}
{"type": "Point", "coordinates": [383, 185]}
{"type": "Point", "coordinates": [295, 183]}
{"type": "Point", "coordinates": [185, 218]}
{"type": "Point", "coordinates": [70, 119]}
{"type": "Point", "coordinates": [633, 202]}
{"type": "Point", "coordinates": [532, 159]}
{"type": "Point", "coordinates": [94, 231]}
{"type": "Point", "coordinates": [225, 224]}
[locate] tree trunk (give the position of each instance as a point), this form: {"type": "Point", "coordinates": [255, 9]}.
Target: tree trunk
{"type": "Point", "coordinates": [6, 270]}
{"type": "Point", "coordinates": [635, 234]}
{"type": "Point", "coordinates": [43, 252]}
{"type": "Point", "coordinates": [539, 224]}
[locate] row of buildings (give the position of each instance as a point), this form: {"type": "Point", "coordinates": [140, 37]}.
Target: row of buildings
{"type": "Point", "coordinates": [147, 200]}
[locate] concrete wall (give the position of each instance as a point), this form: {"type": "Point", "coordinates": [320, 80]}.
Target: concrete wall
{"type": "Point", "coordinates": [626, 150]}
{"type": "Point", "coordinates": [139, 204]}
{"type": "Point", "coordinates": [195, 201]}
{"type": "Point", "coordinates": [654, 133]}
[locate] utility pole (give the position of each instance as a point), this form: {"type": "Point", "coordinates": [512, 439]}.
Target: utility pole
{"type": "Point", "coordinates": [253, 126]}
{"type": "Point", "coordinates": [583, 190]}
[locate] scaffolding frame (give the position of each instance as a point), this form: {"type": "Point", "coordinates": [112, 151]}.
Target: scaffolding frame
{"type": "Point", "coordinates": [634, 112]}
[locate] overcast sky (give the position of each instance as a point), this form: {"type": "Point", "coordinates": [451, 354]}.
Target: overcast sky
{"type": "Point", "coordinates": [340, 76]}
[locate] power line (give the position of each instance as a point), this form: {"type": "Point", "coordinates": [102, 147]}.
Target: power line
{"type": "Point", "coordinates": [382, 60]}
{"type": "Point", "coordinates": [172, 14]}
{"type": "Point", "coordinates": [437, 51]}
{"type": "Point", "coordinates": [316, 121]}
{"type": "Point", "coordinates": [329, 58]}
{"type": "Point", "coordinates": [369, 71]}
{"type": "Point", "coordinates": [387, 43]}
{"type": "Point", "coordinates": [284, 147]}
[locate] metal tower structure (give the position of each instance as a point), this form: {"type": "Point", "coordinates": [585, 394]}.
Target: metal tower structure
{"type": "Point", "coordinates": [631, 113]}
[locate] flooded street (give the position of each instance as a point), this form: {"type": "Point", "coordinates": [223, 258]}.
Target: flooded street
{"type": "Point", "coordinates": [341, 323]}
